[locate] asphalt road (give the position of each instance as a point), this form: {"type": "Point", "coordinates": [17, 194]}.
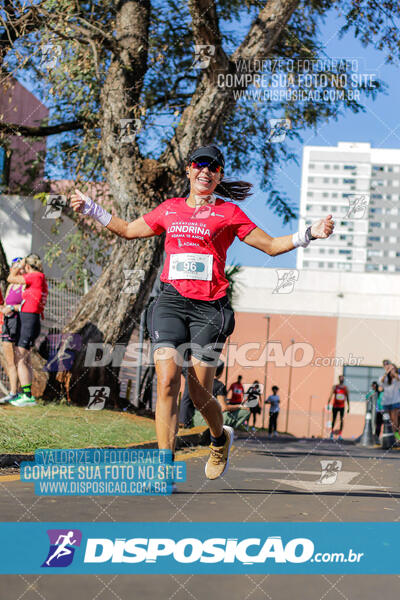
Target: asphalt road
{"type": "Point", "coordinates": [275, 480]}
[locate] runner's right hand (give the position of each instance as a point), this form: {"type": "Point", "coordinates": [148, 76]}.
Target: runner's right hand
{"type": "Point", "coordinates": [77, 201]}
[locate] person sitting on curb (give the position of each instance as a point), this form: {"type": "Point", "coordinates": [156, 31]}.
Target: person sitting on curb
{"type": "Point", "coordinates": [234, 415]}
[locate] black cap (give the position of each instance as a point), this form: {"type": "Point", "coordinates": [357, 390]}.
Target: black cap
{"type": "Point", "coordinates": [210, 152]}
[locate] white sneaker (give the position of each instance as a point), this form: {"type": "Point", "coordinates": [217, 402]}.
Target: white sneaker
{"type": "Point", "coordinates": [7, 399]}
{"type": "Point", "coordinates": [23, 400]}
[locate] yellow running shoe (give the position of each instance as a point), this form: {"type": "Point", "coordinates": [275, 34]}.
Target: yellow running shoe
{"type": "Point", "coordinates": [218, 461]}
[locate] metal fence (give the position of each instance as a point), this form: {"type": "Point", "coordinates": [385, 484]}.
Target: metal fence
{"type": "Point", "coordinates": [60, 307]}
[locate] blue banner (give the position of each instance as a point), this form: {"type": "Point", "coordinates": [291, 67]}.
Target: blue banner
{"type": "Point", "coordinates": [103, 472]}
{"type": "Point", "coordinates": [363, 548]}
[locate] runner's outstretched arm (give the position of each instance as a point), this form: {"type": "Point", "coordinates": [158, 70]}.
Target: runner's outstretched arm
{"type": "Point", "coordinates": [273, 246]}
{"type": "Point", "coordinates": [135, 229]}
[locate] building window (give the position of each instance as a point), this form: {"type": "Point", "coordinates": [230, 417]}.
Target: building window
{"type": "Point", "coordinates": [312, 165]}
{"type": "Point", "coordinates": [358, 380]}
{"type": "Point", "coordinates": [310, 193]}
{"type": "Point", "coordinates": [349, 167]}
{"type": "Point", "coordinates": [348, 180]}
{"type": "Point", "coordinates": [311, 179]}
{"type": "Point", "coordinates": [336, 167]}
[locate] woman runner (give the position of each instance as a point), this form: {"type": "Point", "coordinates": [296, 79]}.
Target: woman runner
{"type": "Point", "coordinates": [193, 311]}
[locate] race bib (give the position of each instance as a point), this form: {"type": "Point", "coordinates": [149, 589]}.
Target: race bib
{"type": "Point", "coordinates": [191, 266]}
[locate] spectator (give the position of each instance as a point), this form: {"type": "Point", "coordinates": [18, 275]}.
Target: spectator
{"type": "Point", "coordinates": [253, 402]}
{"type": "Point", "coordinates": [391, 394]}
{"type": "Point", "coordinates": [186, 408]}
{"type": "Point", "coordinates": [376, 396]}
{"type": "Point", "coordinates": [274, 401]}
{"type": "Point", "coordinates": [234, 415]}
{"type": "Point", "coordinates": [34, 299]}
{"type": "Point", "coordinates": [10, 329]}
{"type": "Point", "coordinates": [237, 392]}
{"type": "Point", "coordinates": [59, 350]}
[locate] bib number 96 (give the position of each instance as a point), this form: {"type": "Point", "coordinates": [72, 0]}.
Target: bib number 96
{"type": "Point", "coordinates": [189, 265]}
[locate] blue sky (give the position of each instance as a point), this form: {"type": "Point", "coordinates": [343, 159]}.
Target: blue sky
{"type": "Point", "coordinates": [379, 125]}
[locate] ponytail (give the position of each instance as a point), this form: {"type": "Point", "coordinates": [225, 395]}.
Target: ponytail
{"type": "Point", "coordinates": [234, 190]}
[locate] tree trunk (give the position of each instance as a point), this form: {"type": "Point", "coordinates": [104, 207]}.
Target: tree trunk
{"type": "Point", "coordinates": [108, 313]}
{"type": "Point", "coordinates": [4, 270]}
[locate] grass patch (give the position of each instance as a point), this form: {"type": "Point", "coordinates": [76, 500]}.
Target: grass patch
{"type": "Point", "coordinates": [63, 426]}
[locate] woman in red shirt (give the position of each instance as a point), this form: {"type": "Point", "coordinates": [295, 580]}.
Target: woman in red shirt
{"type": "Point", "coordinates": [34, 299]}
{"type": "Point", "coordinates": [193, 311]}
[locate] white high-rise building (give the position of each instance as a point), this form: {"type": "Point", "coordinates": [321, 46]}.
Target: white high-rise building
{"type": "Point", "coordinates": [360, 187]}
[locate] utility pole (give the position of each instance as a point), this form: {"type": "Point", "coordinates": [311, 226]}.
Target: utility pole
{"type": "Point", "coordinates": [289, 386]}
{"type": "Point", "coordinates": [265, 370]}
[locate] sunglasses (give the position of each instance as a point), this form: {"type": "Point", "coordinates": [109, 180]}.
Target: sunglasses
{"type": "Point", "coordinates": [212, 166]}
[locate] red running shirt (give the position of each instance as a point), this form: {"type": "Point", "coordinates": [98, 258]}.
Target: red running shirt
{"type": "Point", "coordinates": [35, 293]}
{"type": "Point", "coordinates": [237, 393]}
{"type": "Point", "coordinates": [340, 396]}
{"type": "Point", "coordinates": [205, 230]}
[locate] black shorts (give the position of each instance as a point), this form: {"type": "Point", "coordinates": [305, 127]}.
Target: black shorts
{"type": "Point", "coordinates": [29, 330]}
{"type": "Point", "coordinates": [336, 410]}
{"type": "Point", "coordinates": [196, 328]}
{"type": "Point", "coordinates": [11, 328]}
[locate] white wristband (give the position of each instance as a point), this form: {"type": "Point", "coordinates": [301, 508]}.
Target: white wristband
{"type": "Point", "coordinates": [95, 210]}
{"type": "Point", "coordinates": [300, 238]}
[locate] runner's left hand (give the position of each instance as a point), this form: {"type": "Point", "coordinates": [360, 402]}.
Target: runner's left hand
{"type": "Point", "coordinates": [323, 228]}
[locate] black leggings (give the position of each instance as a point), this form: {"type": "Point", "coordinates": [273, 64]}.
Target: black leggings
{"type": "Point", "coordinates": [335, 411]}
{"type": "Point", "coordinates": [378, 423]}
{"type": "Point", "coordinates": [273, 418]}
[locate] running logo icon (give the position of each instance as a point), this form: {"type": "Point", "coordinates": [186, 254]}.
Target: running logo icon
{"type": "Point", "coordinates": [98, 397]}
{"type": "Point", "coordinates": [286, 280]}
{"type": "Point", "coordinates": [63, 543]}
{"type": "Point", "coordinates": [357, 206]}
{"type": "Point", "coordinates": [278, 129]}
{"type": "Point", "coordinates": [202, 56]}
{"type": "Point", "coordinates": [54, 206]}
{"type": "Point", "coordinates": [329, 471]}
